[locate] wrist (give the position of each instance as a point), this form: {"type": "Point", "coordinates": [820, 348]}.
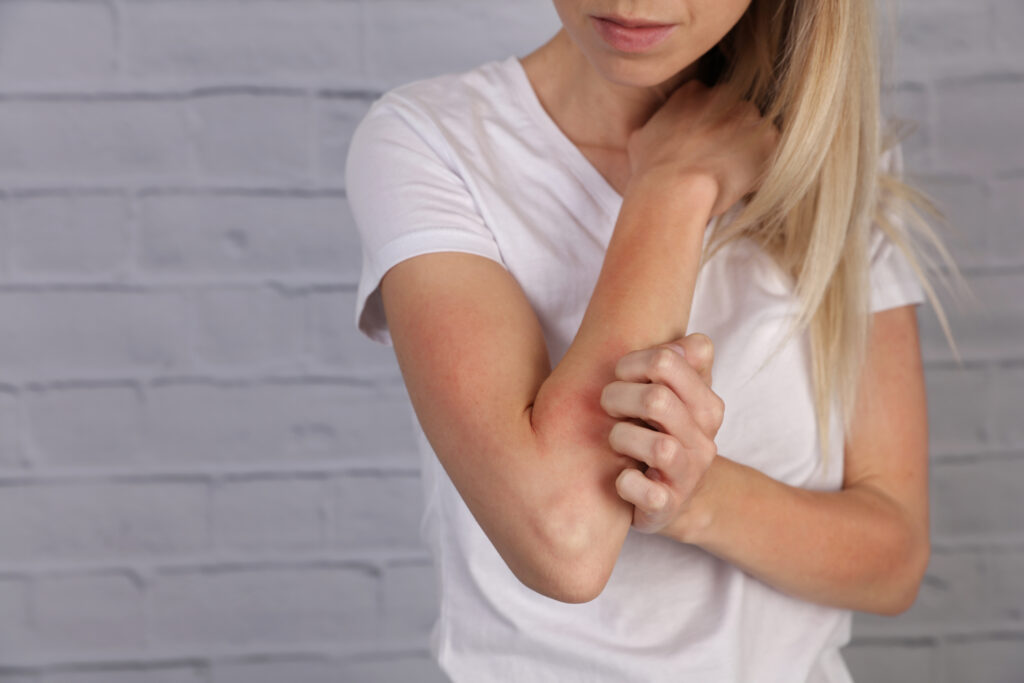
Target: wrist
{"type": "Point", "coordinates": [695, 524]}
{"type": "Point", "coordinates": [694, 186]}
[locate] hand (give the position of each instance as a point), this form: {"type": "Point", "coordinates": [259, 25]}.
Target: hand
{"type": "Point", "coordinates": [671, 391]}
{"type": "Point", "coordinates": [701, 131]}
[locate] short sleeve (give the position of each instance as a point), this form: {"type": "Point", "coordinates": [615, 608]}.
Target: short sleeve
{"type": "Point", "coordinates": [893, 282]}
{"type": "Point", "coordinates": [406, 199]}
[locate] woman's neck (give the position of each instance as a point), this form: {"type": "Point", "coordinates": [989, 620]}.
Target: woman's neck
{"type": "Point", "coordinates": [592, 109]}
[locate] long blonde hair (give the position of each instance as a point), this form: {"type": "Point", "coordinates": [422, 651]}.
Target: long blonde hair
{"type": "Point", "coordinates": [813, 68]}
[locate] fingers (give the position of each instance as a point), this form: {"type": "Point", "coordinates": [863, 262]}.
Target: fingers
{"type": "Point", "coordinates": [700, 353]}
{"type": "Point", "coordinates": [687, 376]}
{"type": "Point", "coordinates": [669, 460]}
{"type": "Point", "coordinates": [669, 388]}
{"type": "Point", "coordinates": [652, 501]}
{"type": "Point", "coordinates": [696, 348]}
{"type": "Point", "coordinates": [656, 404]}
{"type": "Point", "coordinates": [661, 493]}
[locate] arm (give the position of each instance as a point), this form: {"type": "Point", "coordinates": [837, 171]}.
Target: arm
{"type": "Point", "coordinates": [527, 446]}
{"type": "Point", "coordinates": [642, 297]}
{"type": "Point", "coordinates": [864, 547]}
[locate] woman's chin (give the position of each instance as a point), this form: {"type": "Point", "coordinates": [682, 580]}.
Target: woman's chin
{"type": "Point", "coordinates": [629, 70]}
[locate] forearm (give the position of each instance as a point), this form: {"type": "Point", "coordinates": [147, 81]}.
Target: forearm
{"type": "Point", "coordinates": [642, 298]}
{"type": "Point", "coordinates": [852, 548]}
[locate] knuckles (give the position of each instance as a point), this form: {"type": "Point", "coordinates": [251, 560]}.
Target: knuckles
{"type": "Point", "coordinates": [617, 436]}
{"type": "Point", "coordinates": [667, 452]}
{"type": "Point", "coordinates": [655, 499]}
{"type": "Point", "coordinates": [705, 347]}
{"type": "Point", "coordinates": [657, 400]}
{"type": "Point", "coordinates": [712, 412]}
{"type": "Point", "coordinates": [662, 364]}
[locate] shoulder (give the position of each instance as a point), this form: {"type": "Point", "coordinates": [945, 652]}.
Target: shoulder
{"type": "Point", "coordinates": [451, 100]}
{"type": "Point", "coordinates": [450, 115]}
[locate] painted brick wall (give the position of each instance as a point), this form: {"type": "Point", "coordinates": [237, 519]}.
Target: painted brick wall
{"type": "Point", "coordinates": [207, 475]}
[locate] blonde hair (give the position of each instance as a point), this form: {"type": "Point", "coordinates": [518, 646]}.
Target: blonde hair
{"type": "Point", "coordinates": [813, 69]}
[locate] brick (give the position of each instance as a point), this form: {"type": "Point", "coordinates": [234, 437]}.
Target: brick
{"type": "Point", "coordinates": [68, 235]}
{"type": "Point", "coordinates": [247, 326]}
{"type": "Point", "coordinates": [89, 613]}
{"type": "Point", "coordinates": [56, 43]}
{"type": "Point", "coordinates": [978, 497]}
{"type": "Point", "coordinates": [421, 669]}
{"type": "Point", "coordinates": [410, 600]}
{"type": "Point", "coordinates": [989, 328]}
{"type": "Point", "coordinates": [83, 427]}
{"type": "Point", "coordinates": [965, 202]}
{"type": "Point", "coordinates": [335, 341]}
{"type": "Point", "coordinates": [908, 103]}
{"type": "Point", "coordinates": [268, 514]}
{"type": "Point", "coordinates": [15, 619]}
{"type": "Point", "coordinates": [138, 673]}
{"type": "Point", "coordinates": [373, 511]}
{"type": "Point", "coordinates": [942, 32]}
{"type": "Point", "coordinates": [245, 237]}
{"type": "Point", "coordinates": [12, 455]}
{"type": "Point", "coordinates": [1008, 399]}
{"type": "Point", "coordinates": [193, 423]}
{"type": "Point", "coordinates": [1008, 216]}
{"type": "Point", "coordinates": [6, 677]}
{"type": "Point", "coordinates": [337, 118]}
{"type": "Point", "coordinates": [232, 40]}
{"type": "Point", "coordinates": [275, 671]}
{"type": "Point", "coordinates": [402, 37]}
{"type": "Point", "coordinates": [1008, 20]}
{"type": "Point", "coordinates": [264, 605]}
{"type": "Point", "coordinates": [978, 123]}
{"type": "Point", "coordinates": [54, 333]}
{"type": "Point", "coordinates": [1005, 594]}
{"type": "Point", "coordinates": [5, 240]}
{"type": "Point", "coordinates": [984, 661]}
{"type": "Point", "coordinates": [119, 140]}
{"type": "Point", "coordinates": [80, 520]}
{"type": "Point", "coordinates": [959, 418]}
{"type": "Point", "coordinates": [253, 138]}
{"type": "Point", "coordinates": [903, 663]}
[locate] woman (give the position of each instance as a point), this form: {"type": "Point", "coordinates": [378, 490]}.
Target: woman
{"type": "Point", "coordinates": [539, 236]}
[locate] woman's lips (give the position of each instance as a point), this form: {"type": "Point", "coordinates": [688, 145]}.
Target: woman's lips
{"type": "Point", "coordinates": [631, 39]}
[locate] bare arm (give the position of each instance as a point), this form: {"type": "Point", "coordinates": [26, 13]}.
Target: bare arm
{"type": "Point", "coordinates": [527, 447]}
{"type": "Point", "coordinates": [642, 297]}
{"type": "Point", "coordinates": [865, 547]}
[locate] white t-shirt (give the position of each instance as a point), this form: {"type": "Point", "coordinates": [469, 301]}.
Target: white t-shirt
{"type": "Point", "coordinates": [471, 162]}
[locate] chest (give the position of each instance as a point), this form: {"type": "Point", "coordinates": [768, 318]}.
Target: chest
{"type": "Point", "coordinates": [612, 164]}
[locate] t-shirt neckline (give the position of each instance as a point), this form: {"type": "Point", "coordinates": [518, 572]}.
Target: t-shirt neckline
{"type": "Point", "coordinates": [595, 183]}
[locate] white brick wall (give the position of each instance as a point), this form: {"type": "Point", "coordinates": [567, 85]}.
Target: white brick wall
{"type": "Point", "coordinates": [207, 475]}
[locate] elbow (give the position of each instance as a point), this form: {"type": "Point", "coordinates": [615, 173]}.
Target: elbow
{"type": "Point", "coordinates": [577, 564]}
{"type": "Point", "coordinates": [577, 531]}
{"type": "Point", "coordinates": [916, 556]}
{"type": "Point", "coordinates": [573, 587]}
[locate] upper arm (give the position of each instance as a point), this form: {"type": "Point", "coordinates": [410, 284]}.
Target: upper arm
{"type": "Point", "coordinates": [887, 448]}
{"type": "Point", "coordinates": [888, 445]}
{"type": "Point", "coordinates": [473, 357]}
